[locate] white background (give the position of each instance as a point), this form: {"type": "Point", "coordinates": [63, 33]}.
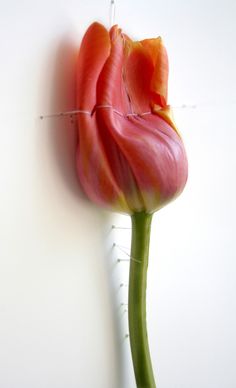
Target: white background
{"type": "Point", "coordinates": [61, 323]}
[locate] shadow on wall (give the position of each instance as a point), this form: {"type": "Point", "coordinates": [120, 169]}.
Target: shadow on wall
{"type": "Point", "coordinates": [63, 130]}
{"type": "Point", "coordinates": [63, 140]}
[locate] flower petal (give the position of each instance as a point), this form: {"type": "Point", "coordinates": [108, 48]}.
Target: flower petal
{"type": "Point", "coordinates": [146, 75]}
{"type": "Point", "coordinates": [159, 81]}
{"type": "Point", "coordinates": [154, 153]}
{"type": "Point", "coordinates": [138, 72]}
{"type": "Point", "coordinates": [110, 88]}
{"type": "Point", "coordinates": [94, 171]}
{"type": "Point", "coordinates": [94, 50]}
{"type": "Point", "coordinates": [93, 168]}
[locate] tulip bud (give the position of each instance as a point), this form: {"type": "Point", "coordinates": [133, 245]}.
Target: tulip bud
{"type": "Point", "coordinates": [130, 156]}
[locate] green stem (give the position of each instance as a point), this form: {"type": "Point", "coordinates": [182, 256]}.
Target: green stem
{"type": "Point", "coordinates": [141, 227]}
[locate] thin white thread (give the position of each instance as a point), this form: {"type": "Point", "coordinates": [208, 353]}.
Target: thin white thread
{"type": "Point", "coordinates": [121, 246]}
{"type": "Point", "coordinates": [184, 106]}
{"type": "Point", "coordinates": [119, 227]}
{"type": "Point", "coordinates": [109, 107]}
{"type": "Point", "coordinates": [122, 250]}
{"type": "Point", "coordinates": [112, 12]}
{"type": "Point", "coordinates": [136, 260]}
{"type": "Point", "coordinates": [145, 113]}
{"type": "Point", "coordinates": [68, 113]}
{"type": "Point", "coordinates": [90, 113]}
{"type": "Point", "coordinates": [127, 260]}
{"type": "Point", "coordinates": [131, 114]}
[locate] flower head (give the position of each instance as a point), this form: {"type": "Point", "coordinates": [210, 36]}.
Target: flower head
{"type": "Point", "coordinates": [130, 155]}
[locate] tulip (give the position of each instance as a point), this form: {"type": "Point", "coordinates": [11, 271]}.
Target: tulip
{"type": "Point", "coordinates": [130, 155]}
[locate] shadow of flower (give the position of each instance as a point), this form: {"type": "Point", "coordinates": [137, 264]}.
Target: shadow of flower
{"type": "Point", "coordinates": [63, 129]}
{"type": "Point", "coordinates": [63, 138]}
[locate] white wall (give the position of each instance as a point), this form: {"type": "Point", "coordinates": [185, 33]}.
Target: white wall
{"type": "Point", "coordinates": [61, 324]}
